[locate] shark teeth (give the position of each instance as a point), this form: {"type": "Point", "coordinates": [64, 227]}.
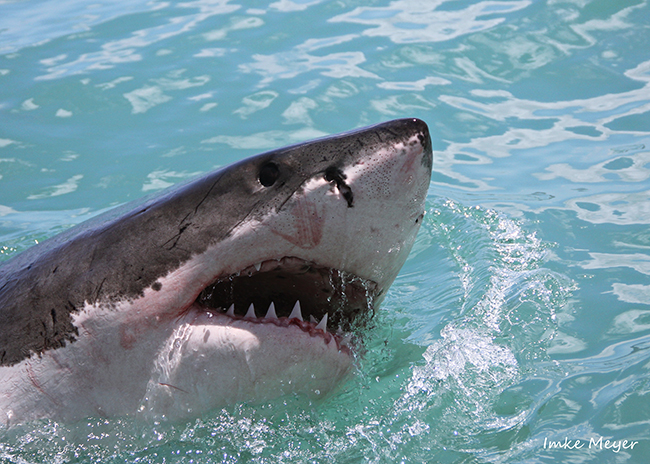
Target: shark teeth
{"type": "Point", "coordinates": [322, 325]}
{"type": "Point", "coordinates": [250, 314]}
{"type": "Point", "coordinates": [231, 311]}
{"type": "Point", "coordinates": [270, 313]}
{"type": "Point", "coordinates": [296, 313]}
{"type": "Point", "coordinates": [315, 328]}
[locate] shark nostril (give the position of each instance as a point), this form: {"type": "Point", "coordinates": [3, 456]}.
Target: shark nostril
{"type": "Point", "coordinates": [334, 175]}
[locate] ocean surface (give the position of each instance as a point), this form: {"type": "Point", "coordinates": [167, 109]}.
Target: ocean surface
{"type": "Point", "coordinates": [519, 329]}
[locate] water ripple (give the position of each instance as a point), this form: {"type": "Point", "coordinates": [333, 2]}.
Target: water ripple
{"type": "Point", "coordinates": [408, 22]}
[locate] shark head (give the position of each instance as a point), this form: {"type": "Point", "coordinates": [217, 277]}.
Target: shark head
{"type": "Point", "coordinates": [245, 284]}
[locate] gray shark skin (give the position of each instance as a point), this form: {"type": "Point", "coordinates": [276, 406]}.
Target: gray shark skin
{"type": "Point", "coordinates": [240, 263]}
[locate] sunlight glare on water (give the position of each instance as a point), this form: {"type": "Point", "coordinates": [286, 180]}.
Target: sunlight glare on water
{"type": "Point", "coordinates": [522, 316]}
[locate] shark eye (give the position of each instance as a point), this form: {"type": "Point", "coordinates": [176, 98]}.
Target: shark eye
{"type": "Point", "coordinates": [269, 173]}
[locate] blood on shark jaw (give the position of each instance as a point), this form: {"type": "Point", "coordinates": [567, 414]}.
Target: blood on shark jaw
{"type": "Point", "coordinates": [293, 289]}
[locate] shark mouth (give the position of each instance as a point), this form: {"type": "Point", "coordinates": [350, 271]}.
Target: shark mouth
{"type": "Point", "coordinates": [292, 291]}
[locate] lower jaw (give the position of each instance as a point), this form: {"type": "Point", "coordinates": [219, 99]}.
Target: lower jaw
{"type": "Point", "coordinates": [213, 360]}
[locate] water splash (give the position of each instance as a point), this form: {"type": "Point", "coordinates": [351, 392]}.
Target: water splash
{"type": "Point", "coordinates": [505, 320]}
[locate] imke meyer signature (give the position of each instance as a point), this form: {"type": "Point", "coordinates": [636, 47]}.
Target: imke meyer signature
{"type": "Point", "coordinates": [593, 443]}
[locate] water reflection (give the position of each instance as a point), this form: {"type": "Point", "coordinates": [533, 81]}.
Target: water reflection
{"type": "Point", "coordinates": [561, 130]}
{"type": "Point", "coordinates": [125, 50]}
{"type": "Point", "coordinates": [303, 59]}
{"type": "Point", "coordinates": [629, 168]}
{"type": "Point", "coordinates": [23, 27]}
{"type": "Point", "coordinates": [267, 139]}
{"type": "Point", "coordinates": [614, 208]}
{"type": "Point", "coordinates": [565, 120]}
{"type": "Point", "coordinates": [635, 320]}
{"type": "Point", "coordinates": [161, 179]}
{"type": "Point", "coordinates": [625, 292]}
{"type": "Point", "coordinates": [640, 262]}
{"type": "Point", "coordinates": [406, 22]}
{"type": "Point", "coordinates": [293, 5]}
{"type": "Point", "coordinates": [256, 102]}
{"type": "Point", "coordinates": [153, 94]}
{"type": "Point", "coordinates": [66, 187]}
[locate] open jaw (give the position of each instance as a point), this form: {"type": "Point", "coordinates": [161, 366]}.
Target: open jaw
{"type": "Point", "coordinates": [291, 291]}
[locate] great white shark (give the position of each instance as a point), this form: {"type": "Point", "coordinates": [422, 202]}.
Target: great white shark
{"type": "Point", "coordinates": [242, 285]}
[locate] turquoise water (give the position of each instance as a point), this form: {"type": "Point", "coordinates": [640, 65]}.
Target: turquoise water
{"type": "Point", "coordinates": [521, 318]}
